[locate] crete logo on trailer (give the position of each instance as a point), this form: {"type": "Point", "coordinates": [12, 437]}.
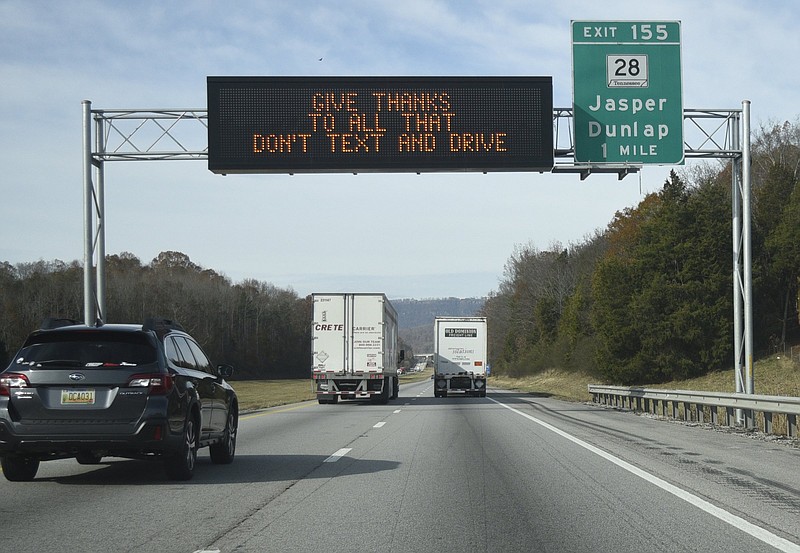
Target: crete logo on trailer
{"type": "Point", "coordinates": [337, 327]}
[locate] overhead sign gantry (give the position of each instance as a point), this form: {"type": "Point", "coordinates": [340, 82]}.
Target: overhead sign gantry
{"type": "Point", "coordinates": [313, 124]}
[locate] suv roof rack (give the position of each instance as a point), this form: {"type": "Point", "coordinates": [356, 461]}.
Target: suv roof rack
{"type": "Point", "coordinates": [159, 324]}
{"type": "Point", "coordinates": [51, 323]}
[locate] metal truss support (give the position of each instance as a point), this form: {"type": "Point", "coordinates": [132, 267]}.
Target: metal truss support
{"type": "Point", "coordinates": [743, 269]}
{"type": "Point", "coordinates": [93, 232]}
{"type": "Point", "coordinates": [181, 134]}
{"type": "Point", "coordinates": [126, 135]}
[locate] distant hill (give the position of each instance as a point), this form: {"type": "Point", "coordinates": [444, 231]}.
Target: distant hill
{"type": "Point", "coordinates": [415, 317]}
{"type": "Point", "coordinates": [412, 313]}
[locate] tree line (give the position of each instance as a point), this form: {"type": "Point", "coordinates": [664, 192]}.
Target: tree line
{"type": "Point", "coordinates": [650, 298]}
{"type": "Point", "coordinates": [264, 331]}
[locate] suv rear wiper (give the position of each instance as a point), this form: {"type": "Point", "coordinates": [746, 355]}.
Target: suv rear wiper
{"type": "Point", "coordinates": [66, 362]}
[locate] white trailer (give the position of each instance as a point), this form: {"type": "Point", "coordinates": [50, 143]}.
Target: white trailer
{"type": "Point", "coordinates": [459, 360]}
{"type": "Point", "coordinates": [355, 348]}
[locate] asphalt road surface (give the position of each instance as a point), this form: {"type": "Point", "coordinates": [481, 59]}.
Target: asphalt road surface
{"type": "Point", "coordinates": [509, 472]}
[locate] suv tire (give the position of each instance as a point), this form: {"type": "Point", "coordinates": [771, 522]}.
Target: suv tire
{"type": "Point", "coordinates": [223, 451]}
{"type": "Point", "coordinates": [19, 469]}
{"type": "Point", "coordinates": [181, 465]}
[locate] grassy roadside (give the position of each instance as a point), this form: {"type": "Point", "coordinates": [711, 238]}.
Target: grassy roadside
{"type": "Point", "coordinates": [261, 394]}
{"type": "Point", "coordinates": [775, 375]}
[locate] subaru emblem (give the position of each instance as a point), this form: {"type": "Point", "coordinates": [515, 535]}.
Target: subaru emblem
{"type": "Point", "coordinates": [76, 376]}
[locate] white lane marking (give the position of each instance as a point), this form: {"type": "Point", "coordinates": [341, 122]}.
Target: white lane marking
{"type": "Point", "coordinates": [395, 411]}
{"type": "Point", "coordinates": [379, 425]}
{"type": "Point", "coordinates": [338, 455]}
{"type": "Point", "coordinates": [757, 532]}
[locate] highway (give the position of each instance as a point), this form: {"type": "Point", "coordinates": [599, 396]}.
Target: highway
{"type": "Point", "coordinates": [509, 472]}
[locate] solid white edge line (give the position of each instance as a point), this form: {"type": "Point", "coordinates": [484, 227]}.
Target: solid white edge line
{"type": "Point", "coordinates": [338, 455]}
{"type": "Point", "coordinates": [756, 531]}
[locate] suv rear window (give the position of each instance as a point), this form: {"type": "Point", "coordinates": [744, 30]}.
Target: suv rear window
{"type": "Point", "coordinates": [95, 348]}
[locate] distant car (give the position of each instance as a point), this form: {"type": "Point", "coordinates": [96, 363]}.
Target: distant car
{"type": "Point", "coordinates": [122, 390]}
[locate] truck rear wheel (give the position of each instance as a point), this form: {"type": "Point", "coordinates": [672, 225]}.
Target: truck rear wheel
{"type": "Point", "coordinates": [383, 397]}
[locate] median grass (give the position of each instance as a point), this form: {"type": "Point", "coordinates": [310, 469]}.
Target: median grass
{"type": "Point", "coordinates": [262, 394]}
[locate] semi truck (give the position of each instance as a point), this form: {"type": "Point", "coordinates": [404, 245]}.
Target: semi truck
{"type": "Point", "coordinates": [355, 347]}
{"type": "Point", "coordinates": [459, 360]}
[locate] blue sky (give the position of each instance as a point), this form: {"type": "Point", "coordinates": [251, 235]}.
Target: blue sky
{"type": "Point", "coordinates": [391, 233]}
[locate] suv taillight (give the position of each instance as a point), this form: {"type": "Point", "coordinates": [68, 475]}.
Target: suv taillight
{"type": "Point", "coordinates": [12, 380]}
{"type": "Point", "coordinates": [158, 384]}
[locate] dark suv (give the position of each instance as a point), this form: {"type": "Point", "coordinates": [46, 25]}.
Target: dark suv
{"type": "Point", "coordinates": [134, 391]}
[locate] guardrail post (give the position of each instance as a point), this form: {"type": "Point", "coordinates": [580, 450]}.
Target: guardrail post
{"type": "Point", "coordinates": [791, 425]}
{"type": "Point", "coordinates": [767, 422]}
{"type": "Point", "coordinates": [701, 415]}
{"type": "Point", "coordinates": [749, 419]}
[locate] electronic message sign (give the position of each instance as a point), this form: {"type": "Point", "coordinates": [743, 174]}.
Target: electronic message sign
{"type": "Point", "coordinates": [379, 124]}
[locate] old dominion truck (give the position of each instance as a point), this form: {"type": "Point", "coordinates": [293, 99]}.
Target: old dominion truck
{"type": "Point", "coordinates": [459, 360]}
{"type": "Point", "coordinates": [354, 348]}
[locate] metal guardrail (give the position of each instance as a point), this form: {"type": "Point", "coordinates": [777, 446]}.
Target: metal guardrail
{"type": "Point", "coordinates": [695, 403]}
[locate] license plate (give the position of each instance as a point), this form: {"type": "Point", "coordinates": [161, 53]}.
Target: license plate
{"type": "Point", "coordinates": [77, 397]}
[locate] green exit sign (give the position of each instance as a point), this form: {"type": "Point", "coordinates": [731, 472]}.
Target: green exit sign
{"type": "Point", "coordinates": [627, 92]}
